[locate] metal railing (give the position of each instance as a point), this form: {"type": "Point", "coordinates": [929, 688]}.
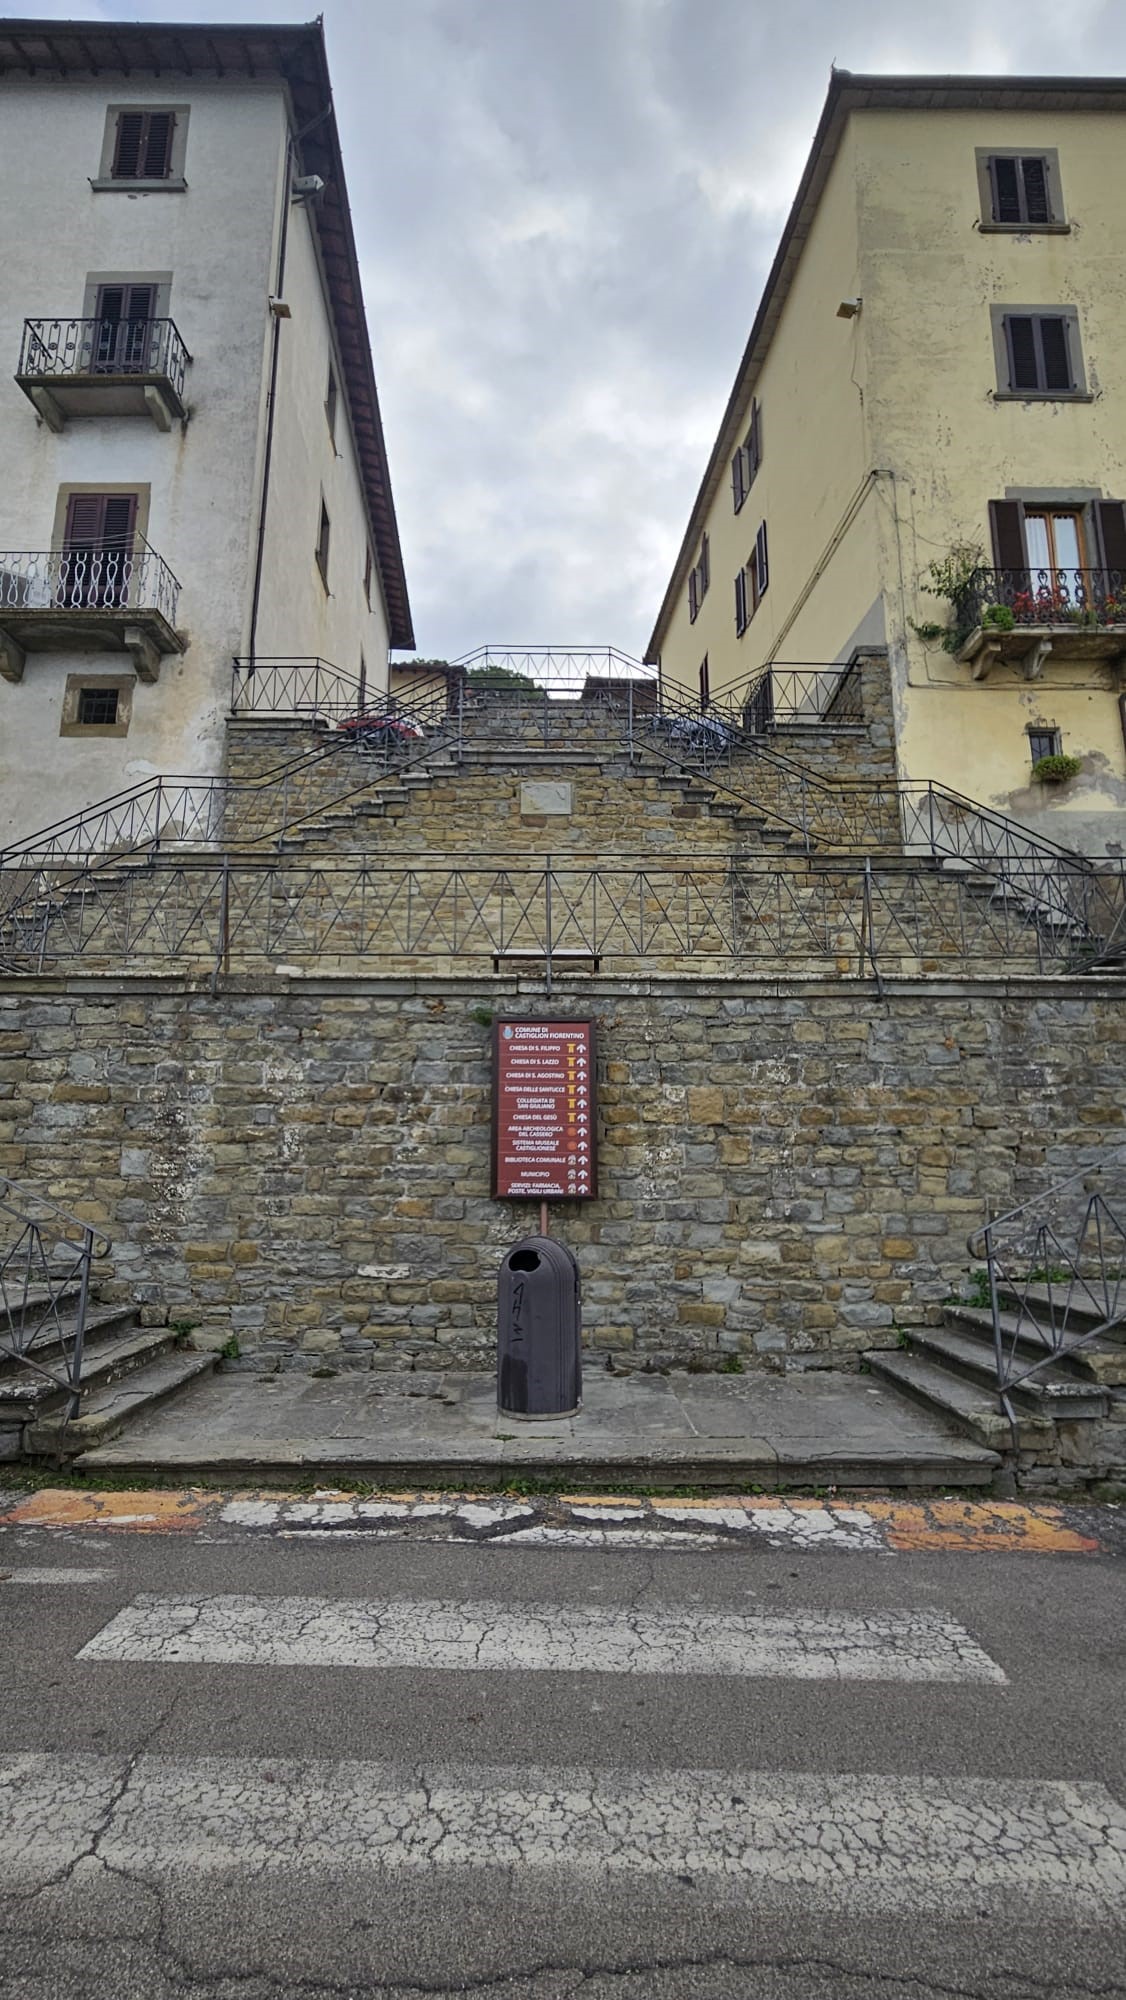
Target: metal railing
{"type": "Point", "coordinates": [314, 690]}
{"type": "Point", "coordinates": [849, 917]}
{"type": "Point", "coordinates": [100, 577]}
{"type": "Point", "coordinates": [1055, 1264]}
{"type": "Point", "coordinates": [563, 672]}
{"type": "Point", "coordinates": [1079, 597]}
{"type": "Point", "coordinates": [55, 349]}
{"type": "Point", "coordinates": [46, 1255]}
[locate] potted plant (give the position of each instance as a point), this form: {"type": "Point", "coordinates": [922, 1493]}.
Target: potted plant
{"type": "Point", "coordinates": [1056, 770]}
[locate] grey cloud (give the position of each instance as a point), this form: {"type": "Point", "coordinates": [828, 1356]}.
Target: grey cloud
{"type": "Point", "coordinates": [565, 211]}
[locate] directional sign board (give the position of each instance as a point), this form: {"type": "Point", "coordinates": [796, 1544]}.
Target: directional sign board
{"type": "Point", "coordinates": [543, 1110]}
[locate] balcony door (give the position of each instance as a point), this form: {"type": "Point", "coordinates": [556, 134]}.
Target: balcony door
{"type": "Point", "coordinates": [96, 563]}
{"type": "Point", "coordinates": [122, 330]}
{"type": "Point", "coordinates": [1054, 540]}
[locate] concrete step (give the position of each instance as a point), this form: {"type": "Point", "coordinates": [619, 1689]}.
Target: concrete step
{"type": "Point", "coordinates": [107, 1411]}
{"type": "Point", "coordinates": [1101, 1361]}
{"type": "Point", "coordinates": [1084, 1306]}
{"type": "Point", "coordinates": [962, 1403]}
{"type": "Point", "coordinates": [26, 1396]}
{"type": "Point", "coordinates": [1052, 1391]}
{"type": "Point", "coordinates": [44, 1337]}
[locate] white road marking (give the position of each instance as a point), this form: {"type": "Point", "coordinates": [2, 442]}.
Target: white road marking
{"type": "Point", "coordinates": [860, 1844]}
{"type": "Point", "coordinates": [670, 1639]}
{"type": "Point", "coordinates": [606, 1538]}
{"type": "Point", "coordinates": [42, 1574]}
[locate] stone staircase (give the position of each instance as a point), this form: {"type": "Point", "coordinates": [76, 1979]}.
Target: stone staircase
{"type": "Point", "coordinates": [127, 1370]}
{"type": "Point", "coordinates": [1073, 1412]}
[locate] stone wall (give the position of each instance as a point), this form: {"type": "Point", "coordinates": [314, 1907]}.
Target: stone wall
{"type": "Point", "coordinates": [788, 1172]}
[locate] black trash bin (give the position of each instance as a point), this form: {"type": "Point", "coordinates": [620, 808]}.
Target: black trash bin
{"type": "Point", "coordinates": [539, 1325]}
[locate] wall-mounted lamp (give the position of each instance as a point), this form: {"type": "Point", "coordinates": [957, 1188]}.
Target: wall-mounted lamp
{"type": "Point", "coordinates": [848, 308]}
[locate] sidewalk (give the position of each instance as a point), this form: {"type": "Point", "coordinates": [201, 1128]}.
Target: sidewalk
{"type": "Point", "coordinates": [754, 1431]}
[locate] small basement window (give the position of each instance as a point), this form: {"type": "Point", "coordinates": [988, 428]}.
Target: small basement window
{"type": "Point", "coordinates": [97, 707]}
{"type": "Point", "coordinates": [1044, 743]}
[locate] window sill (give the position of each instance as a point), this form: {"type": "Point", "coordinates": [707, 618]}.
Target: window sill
{"type": "Point", "coordinates": [1024, 228]}
{"type": "Point", "coordinates": [1043, 396]}
{"type": "Point", "coordinates": [170, 186]}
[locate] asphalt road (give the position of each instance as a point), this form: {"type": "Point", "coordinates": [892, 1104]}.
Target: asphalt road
{"type": "Point", "coordinates": [257, 1767]}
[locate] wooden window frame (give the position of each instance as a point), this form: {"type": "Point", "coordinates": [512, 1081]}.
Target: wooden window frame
{"type": "Point", "coordinates": [106, 181]}
{"type": "Point", "coordinates": [1102, 522]}
{"type": "Point", "coordinates": [1057, 224]}
{"type": "Point", "coordinates": [1043, 732]}
{"type": "Point", "coordinates": [1000, 317]}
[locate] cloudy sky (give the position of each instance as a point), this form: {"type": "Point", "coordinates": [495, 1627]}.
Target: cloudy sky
{"type": "Point", "coordinates": [565, 212]}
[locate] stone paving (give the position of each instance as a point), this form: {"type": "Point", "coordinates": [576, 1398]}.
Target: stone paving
{"type": "Point", "coordinates": [812, 1429]}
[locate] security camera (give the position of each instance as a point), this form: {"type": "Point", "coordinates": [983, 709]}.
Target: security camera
{"type": "Point", "coordinates": [309, 186]}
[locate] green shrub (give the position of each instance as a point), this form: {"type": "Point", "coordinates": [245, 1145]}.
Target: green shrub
{"type": "Point", "coordinates": [1055, 770]}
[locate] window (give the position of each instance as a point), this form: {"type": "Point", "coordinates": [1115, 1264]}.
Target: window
{"type": "Point", "coordinates": [1071, 546]}
{"type": "Point", "coordinates": [143, 145]}
{"type": "Point", "coordinates": [367, 576]}
{"type": "Point", "coordinates": [752, 581]}
{"type": "Point", "coordinates": [121, 332]}
{"type": "Point", "coordinates": [97, 706]}
{"type": "Point", "coordinates": [330, 402]}
{"type": "Point", "coordinates": [698, 580]}
{"type": "Point", "coordinates": [1043, 742]}
{"type": "Point", "coordinates": [1020, 191]}
{"type": "Point", "coordinates": [1037, 351]}
{"type": "Point", "coordinates": [323, 532]}
{"type": "Point", "coordinates": [96, 564]}
{"type": "Point", "coordinates": [748, 458]}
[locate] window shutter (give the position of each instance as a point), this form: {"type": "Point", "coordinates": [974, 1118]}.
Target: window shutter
{"type": "Point", "coordinates": [85, 513]}
{"type": "Point", "coordinates": [1006, 190]}
{"type": "Point", "coordinates": [118, 520]}
{"type": "Point", "coordinates": [111, 302]}
{"type": "Point", "coordinates": [693, 596]}
{"type": "Point", "coordinates": [1021, 336]}
{"type": "Point", "coordinates": [762, 567]}
{"type": "Point", "coordinates": [741, 601]}
{"type": "Point", "coordinates": [141, 302]}
{"type": "Point", "coordinates": [1057, 364]}
{"type": "Point", "coordinates": [1110, 520]}
{"type": "Point", "coordinates": [127, 152]}
{"type": "Point", "coordinates": [705, 689]}
{"type": "Point", "coordinates": [1035, 175]}
{"type": "Point", "coordinates": [754, 439]}
{"type": "Point", "coordinates": [705, 567]}
{"type": "Point", "coordinates": [1006, 525]}
{"type": "Point", "coordinates": [738, 478]}
{"type": "Point", "coordinates": [156, 152]}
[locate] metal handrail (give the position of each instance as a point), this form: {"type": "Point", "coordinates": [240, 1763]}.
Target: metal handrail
{"type": "Point", "coordinates": [34, 1285]}
{"type": "Point", "coordinates": [105, 576]}
{"type": "Point", "coordinates": [1048, 1270]}
{"type": "Point", "coordinates": [99, 347]}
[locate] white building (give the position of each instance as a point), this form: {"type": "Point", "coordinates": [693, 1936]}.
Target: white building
{"type": "Point", "coordinates": [193, 459]}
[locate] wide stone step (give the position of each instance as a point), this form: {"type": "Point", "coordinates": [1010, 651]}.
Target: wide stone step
{"type": "Point", "coordinates": [1084, 1306]}
{"type": "Point", "coordinates": [961, 1402]}
{"type": "Point", "coordinates": [99, 1320]}
{"type": "Point", "coordinates": [26, 1396]}
{"type": "Point", "coordinates": [1100, 1361]}
{"type": "Point", "coordinates": [107, 1411]}
{"type": "Point", "coordinates": [1052, 1390]}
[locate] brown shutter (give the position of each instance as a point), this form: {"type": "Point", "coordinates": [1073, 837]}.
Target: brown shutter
{"type": "Point", "coordinates": [738, 478]}
{"type": "Point", "coordinates": [762, 566]}
{"type": "Point", "coordinates": [156, 152]}
{"type": "Point", "coordinates": [705, 689]}
{"type": "Point", "coordinates": [754, 441]}
{"type": "Point", "coordinates": [85, 517]}
{"type": "Point", "coordinates": [1006, 524]}
{"type": "Point", "coordinates": [741, 601]}
{"type": "Point", "coordinates": [705, 567]}
{"type": "Point", "coordinates": [1110, 522]}
{"type": "Point", "coordinates": [119, 519]}
{"type": "Point", "coordinates": [127, 150]}
{"type": "Point", "coordinates": [110, 302]}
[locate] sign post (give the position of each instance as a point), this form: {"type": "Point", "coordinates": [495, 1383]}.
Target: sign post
{"type": "Point", "coordinates": [543, 1111]}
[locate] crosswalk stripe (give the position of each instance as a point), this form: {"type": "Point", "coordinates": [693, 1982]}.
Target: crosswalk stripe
{"type": "Point", "coordinates": [669, 1639]}
{"type": "Point", "coordinates": [859, 1843]}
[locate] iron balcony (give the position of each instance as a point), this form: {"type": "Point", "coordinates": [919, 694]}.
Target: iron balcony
{"type": "Point", "coordinates": [114, 598]}
{"type": "Point", "coordinates": [104, 368]}
{"type": "Point", "coordinates": [1027, 614]}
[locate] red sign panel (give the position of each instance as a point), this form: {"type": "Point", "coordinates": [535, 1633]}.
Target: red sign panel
{"type": "Point", "coordinates": [543, 1110]}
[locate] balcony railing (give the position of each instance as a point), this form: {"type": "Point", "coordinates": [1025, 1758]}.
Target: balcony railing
{"type": "Point", "coordinates": [1086, 598]}
{"type": "Point", "coordinates": [54, 348]}
{"type": "Point", "coordinates": [126, 576]}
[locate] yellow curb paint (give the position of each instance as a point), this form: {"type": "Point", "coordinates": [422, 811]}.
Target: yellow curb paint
{"type": "Point", "coordinates": [998, 1528]}
{"type": "Point", "coordinates": [161, 1511]}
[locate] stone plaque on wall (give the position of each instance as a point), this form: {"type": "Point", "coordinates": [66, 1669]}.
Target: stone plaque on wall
{"type": "Point", "coordinates": [544, 795]}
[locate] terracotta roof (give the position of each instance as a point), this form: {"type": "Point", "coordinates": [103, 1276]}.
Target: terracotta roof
{"type": "Point", "coordinates": [847, 93]}
{"type": "Point", "coordinates": [297, 55]}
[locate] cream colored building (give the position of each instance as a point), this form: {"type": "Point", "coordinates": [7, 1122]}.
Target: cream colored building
{"type": "Point", "coordinates": [937, 365]}
{"type": "Point", "coordinates": [194, 462]}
